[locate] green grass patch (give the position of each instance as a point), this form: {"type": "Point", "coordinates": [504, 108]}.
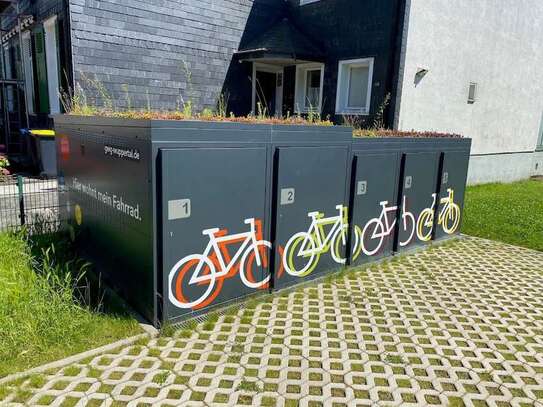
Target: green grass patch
{"type": "Point", "coordinates": [43, 313]}
{"type": "Point", "coordinates": [249, 386]}
{"type": "Point", "coordinates": [511, 213]}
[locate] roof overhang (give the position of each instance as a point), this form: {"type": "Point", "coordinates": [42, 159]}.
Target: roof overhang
{"type": "Point", "coordinates": [274, 57]}
{"type": "Point", "coordinates": [281, 43]}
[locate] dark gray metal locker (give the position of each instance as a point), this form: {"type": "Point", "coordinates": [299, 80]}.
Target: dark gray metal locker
{"type": "Point", "coordinates": [311, 227]}
{"type": "Point", "coordinates": [452, 192]}
{"type": "Point", "coordinates": [374, 207]}
{"type": "Point", "coordinates": [418, 197]}
{"type": "Point", "coordinates": [213, 211]}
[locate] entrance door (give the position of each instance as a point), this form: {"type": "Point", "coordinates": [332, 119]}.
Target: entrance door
{"type": "Point", "coordinates": [265, 93]}
{"type": "Point", "coordinates": [267, 90]}
{"type": "Point", "coordinates": [12, 115]}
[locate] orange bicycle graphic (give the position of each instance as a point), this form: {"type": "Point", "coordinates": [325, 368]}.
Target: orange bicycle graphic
{"type": "Point", "coordinates": [215, 265]}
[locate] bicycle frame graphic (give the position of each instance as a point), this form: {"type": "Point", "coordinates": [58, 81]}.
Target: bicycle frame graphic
{"type": "Point", "coordinates": [309, 246]}
{"type": "Point", "coordinates": [450, 212]}
{"type": "Point", "coordinates": [215, 265]}
{"type": "Point", "coordinates": [377, 229]}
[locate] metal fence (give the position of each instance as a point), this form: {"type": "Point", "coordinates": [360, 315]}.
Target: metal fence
{"type": "Point", "coordinates": [30, 203]}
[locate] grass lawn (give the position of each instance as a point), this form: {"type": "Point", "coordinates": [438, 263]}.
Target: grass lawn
{"type": "Point", "coordinates": [511, 213]}
{"type": "Point", "coordinates": [43, 316]}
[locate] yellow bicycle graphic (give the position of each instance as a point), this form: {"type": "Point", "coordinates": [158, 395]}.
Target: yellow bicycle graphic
{"type": "Point", "coordinates": [449, 217]}
{"type": "Point", "coordinates": [303, 250]}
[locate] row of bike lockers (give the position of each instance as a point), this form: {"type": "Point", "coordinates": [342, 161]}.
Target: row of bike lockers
{"type": "Point", "coordinates": [330, 201]}
{"type": "Point", "coordinates": [242, 208]}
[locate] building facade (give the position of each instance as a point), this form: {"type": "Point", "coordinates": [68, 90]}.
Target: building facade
{"type": "Point", "coordinates": [449, 66]}
{"type": "Point", "coordinates": [474, 68]}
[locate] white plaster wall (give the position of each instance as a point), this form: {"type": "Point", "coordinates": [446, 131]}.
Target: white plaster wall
{"type": "Point", "coordinates": [504, 167]}
{"type": "Point", "coordinates": [496, 43]}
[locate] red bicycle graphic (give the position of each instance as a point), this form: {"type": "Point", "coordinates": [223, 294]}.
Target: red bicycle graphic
{"type": "Point", "coordinates": [215, 265]}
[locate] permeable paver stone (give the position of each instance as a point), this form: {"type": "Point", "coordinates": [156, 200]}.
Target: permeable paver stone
{"type": "Point", "coordinates": [459, 324]}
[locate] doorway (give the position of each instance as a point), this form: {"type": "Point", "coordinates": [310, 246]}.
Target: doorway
{"type": "Point", "coordinates": [267, 90]}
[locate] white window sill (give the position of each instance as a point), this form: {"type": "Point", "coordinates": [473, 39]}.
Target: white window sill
{"type": "Point", "coordinates": [307, 110]}
{"type": "Point", "coordinates": [353, 112]}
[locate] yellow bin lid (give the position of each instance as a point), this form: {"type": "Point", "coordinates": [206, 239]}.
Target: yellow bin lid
{"type": "Point", "coordinates": [43, 133]}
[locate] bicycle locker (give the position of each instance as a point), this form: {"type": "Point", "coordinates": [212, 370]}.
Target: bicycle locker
{"type": "Point", "coordinates": [310, 202]}
{"type": "Point", "coordinates": [453, 177]}
{"type": "Point", "coordinates": [375, 174]}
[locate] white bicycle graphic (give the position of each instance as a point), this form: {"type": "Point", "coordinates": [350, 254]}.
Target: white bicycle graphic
{"type": "Point", "coordinates": [307, 247]}
{"type": "Point", "coordinates": [378, 228]}
{"type": "Point", "coordinates": [215, 265]}
{"type": "Point", "coordinates": [449, 217]}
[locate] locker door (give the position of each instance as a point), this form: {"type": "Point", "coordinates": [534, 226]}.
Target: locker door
{"type": "Point", "coordinates": [213, 214]}
{"type": "Point", "coordinates": [311, 218]}
{"type": "Point", "coordinates": [374, 206]}
{"type": "Point", "coordinates": [419, 184]}
{"type": "Point", "coordinates": [453, 187]}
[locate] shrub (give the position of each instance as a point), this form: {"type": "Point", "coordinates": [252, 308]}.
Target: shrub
{"type": "Point", "coordinates": [4, 164]}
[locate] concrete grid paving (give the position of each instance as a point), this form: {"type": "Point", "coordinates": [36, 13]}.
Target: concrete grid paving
{"type": "Point", "coordinates": [459, 324]}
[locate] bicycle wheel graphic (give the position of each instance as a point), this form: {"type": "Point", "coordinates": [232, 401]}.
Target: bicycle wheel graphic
{"type": "Point", "coordinates": [408, 223]}
{"type": "Point", "coordinates": [451, 219]}
{"type": "Point", "coordinates": [371, 245]}
{"type": "Point", "coordinates": [357, 243]}
{"type": "Point", "coordinates": [339, 244]}
{"type": "Point", "coordinates": [296, 264]}
{"type": "Point", "coordinates": [249, 269]}
{"type": "Point", "coordinates": [192, 296]}
{"type": "Point", "coordinates": [425, 225]}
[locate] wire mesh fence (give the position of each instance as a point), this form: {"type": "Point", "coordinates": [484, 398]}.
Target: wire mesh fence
{"type": "Point", "coordinates": [31, 203]}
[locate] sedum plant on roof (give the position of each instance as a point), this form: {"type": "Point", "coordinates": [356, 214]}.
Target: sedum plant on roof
{"type": "Point", "coordinates": [93, 99]}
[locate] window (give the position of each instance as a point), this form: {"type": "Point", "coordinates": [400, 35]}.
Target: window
{"type": "Point", "coordinates": [540, 141]}
{"type": "Point", "coordinates": [472, 92]}
{"type": "Point", "coordinates": [312, 88]}
{"type": "Point", "coordinates": [302, 2]}
{"type": "Point", "coordinates": [308, 92]}
{"type": "Point", "coordinates": [51, 56]}
{"type": "Point", "coordinates": [354, 86]}
{"type": "Point", "coordinates": [28, 70]}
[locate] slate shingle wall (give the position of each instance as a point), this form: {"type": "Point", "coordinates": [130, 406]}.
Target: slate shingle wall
{"type": "Point", "coordinates": [351, 29]}
{"type": "Point", "coordinates": [163, 52]}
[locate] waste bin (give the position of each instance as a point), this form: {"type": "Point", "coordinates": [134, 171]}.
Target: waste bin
{"type": "Point", "coordinates": [41, 146]}
{"type": "Point", "coordinates": [310, 217]}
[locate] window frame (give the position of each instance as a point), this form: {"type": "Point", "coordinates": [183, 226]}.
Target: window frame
{"type": "Point", "coordinates": [539, 144]}
{"type": "Point", "coordinates": [301, 87]}
{"type": "Point", "coordinates": [51, 57]}
{"type": "Point", "coordinates": [343, 85]}
{"type": "Point", "coordinates": [28, 66]}
{"type": "Point", "coordinates": [472, 100]}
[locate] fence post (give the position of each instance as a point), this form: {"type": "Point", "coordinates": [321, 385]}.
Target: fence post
{"type": "Point", "coordinates": [21, 199]}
